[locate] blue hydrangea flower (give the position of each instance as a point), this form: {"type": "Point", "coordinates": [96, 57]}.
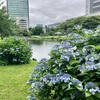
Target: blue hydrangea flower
{"type": "Point", "coordinates": [90, 65]}
{"type": "Point", "coordinates": [75, 81]}
{"type": "Point", "coordinates": [97, 66]}
{"type": "Point", "coordinates": [77, 36]}
{"type": "Point", "coordinates": [82, 68]}
{"type": "Point", "coordinates": [65, 78]}
{"type": "Point", "coordinates": [30, 81]}
{"type": "Point", "coordinates": [66, 45]}
{"type": "Point", "coordinates": [89, 85]}
{"type": "Point", "coordinates": [1, 53]}
{"type": "Point", "coordinates": [46, 78]}
{"type": "Point", "coordinates": [37, 85]}
{"type": "Point", "coordinates": [97, 89]}
{"type": "Point", "coordinates": [77, 53]}
{"type": "Point", "coordinates": [43, 60]}
{"type": "Point", "coordinates": [67, 56]}
{"type": "Point", "coordinates": [92, 90]}
{"type": "Point", "coordinates": [35, 74]}
{"type": "Point", "coordinates": [31, 97]}
{"type": "Point", "coordinates": [53, 80]}
{"type": "Point", "coordinates": [38, 67]}
{"type": "Point", "coordinates": [55, 47]}
{"type": "Point", "coordinates": [14, 59]}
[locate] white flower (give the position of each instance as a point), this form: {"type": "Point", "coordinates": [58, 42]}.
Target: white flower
{"type": "Point", "coordinates": [33, 85]}
{"type": "Point", "coordinates": [74, 48]}
{"type": "Point", "coordinates": [69, 85]}
{"type": "Point", "coordinates": [92, 91]}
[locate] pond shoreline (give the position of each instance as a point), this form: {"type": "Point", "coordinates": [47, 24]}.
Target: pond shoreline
{"type": "Point", "coordinates": [58, 38]}
{"type": "Point", "coordinates": [41, 48]}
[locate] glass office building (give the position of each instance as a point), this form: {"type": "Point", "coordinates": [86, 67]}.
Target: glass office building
{"type": "Point", "coordinates": [19, 10]}
{"type": "Point", "coordinates": [92, 7]}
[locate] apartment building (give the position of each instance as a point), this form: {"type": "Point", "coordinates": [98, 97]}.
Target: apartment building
{"type": "Point", "coordinates": [92, 7]}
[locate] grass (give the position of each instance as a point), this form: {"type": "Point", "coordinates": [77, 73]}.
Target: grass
{"type": "Point", "coordinates": [13, 81]}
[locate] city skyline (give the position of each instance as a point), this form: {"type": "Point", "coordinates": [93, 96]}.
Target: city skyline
{"type": "Point", "coordinates": [54, 11]}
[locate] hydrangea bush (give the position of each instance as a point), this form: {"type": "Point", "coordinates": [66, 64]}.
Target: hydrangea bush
{"type": "Point", "coordinates": [71, 73]}
{"type": "Point", "coordinates": [14, 51]}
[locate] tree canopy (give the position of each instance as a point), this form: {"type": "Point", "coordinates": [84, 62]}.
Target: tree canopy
{"type": "Point", "coordinates": [90, 22]}
{"type": "Point", "coordinates": [7, 25]}
{"type": "Point", "coordinates": [37, 30]}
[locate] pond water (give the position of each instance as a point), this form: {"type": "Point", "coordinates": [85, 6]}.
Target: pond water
{"type": "Point", "coordinates": [41, 48]}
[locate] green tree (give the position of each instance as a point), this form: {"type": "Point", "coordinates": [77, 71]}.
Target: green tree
{"type": "Point", "coordinates": [38, 30]}
{"type": "Point", "coordinates": [91, 22]}
{"type": "Point", "coordinates": [23, 32]}
{"type": "Point", "coordinates": [7, 25]}
{"type": "Point", "coordinates": [69, 24]}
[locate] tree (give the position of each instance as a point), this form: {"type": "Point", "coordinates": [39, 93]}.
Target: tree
{"type": "Point", "coordinates": [37, 30]}
{"type": "Point", "coordinates": [23, 32]}
{"type": "Point", "coordinates": [91, 22]}
{"type": "Point", "coordinates": [7, 25]}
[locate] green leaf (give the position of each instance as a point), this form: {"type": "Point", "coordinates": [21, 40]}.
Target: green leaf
{"type": "Point", "coordinates": [87, 94]}
{"type": "Point", "coordinates": [79, 88]}
{"type": "Point", "coordinates": [64, 86]}
{"type": "Point", "coordinates": [61, 92]}
{"type": "Point", "coordinates": [69, 67]}
{"type": "Point", "coordinates": [70, 89]}
{"type": "Point", "coordinates": [98, 73]}
{"type": "Point", "coordinates": [97, 95]}
{"type": "Point", "coordinates": [53, 92]}
{"type": "Point", "coordinates": [66, 98]}
{"type": "Point", "coordinates": [74, 62]}
{"type": "Point", "coordinates": [90, 98]}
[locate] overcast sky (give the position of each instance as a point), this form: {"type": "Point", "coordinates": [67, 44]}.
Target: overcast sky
{"type": "Point", "coordinates": [53, 11]}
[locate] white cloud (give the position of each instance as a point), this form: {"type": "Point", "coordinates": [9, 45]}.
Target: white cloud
{"type": "Point", "coordinates": [52, 11]}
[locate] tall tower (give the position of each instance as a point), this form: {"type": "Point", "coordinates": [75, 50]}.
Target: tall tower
{"type": "Point", "coordinates": [19, 10]}
{"type": "Point", "coordinates": [92, 7]}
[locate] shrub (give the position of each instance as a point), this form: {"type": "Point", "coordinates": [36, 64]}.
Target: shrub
{"type": "Point", "coordinates": [71, 73]}
{"type": "Point", "coordinates": [14, 51]}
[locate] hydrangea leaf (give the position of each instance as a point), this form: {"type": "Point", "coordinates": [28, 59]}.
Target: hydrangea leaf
{"type": "Point", "coordinates": [97, 95]}
{"type": "Point", "coordinates": [87, 94]}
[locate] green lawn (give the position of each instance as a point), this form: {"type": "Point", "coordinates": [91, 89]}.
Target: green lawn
{"type": "Point", "coordinates": [13, 81]}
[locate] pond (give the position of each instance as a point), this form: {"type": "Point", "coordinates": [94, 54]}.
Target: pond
{"type": "Point", "coordinates": [41, 48]}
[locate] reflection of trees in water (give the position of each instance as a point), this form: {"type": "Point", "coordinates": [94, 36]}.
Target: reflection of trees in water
{"type": "Point", "coordinates": [38, 42]}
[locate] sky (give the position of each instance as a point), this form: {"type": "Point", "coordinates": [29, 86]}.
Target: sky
{"type": "Point", "coordinates": [54, 11]}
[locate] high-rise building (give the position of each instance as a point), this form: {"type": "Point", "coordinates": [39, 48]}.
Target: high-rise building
{"type": "Point", "coordinates": [18, 10]}
{"type": "Point", "coordinates": [92, 7]}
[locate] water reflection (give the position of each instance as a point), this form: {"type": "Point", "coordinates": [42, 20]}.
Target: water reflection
{"type": "Point", "coordinates": [41, 48]}
{"type": "Point", "coordinates": [37, 42]}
